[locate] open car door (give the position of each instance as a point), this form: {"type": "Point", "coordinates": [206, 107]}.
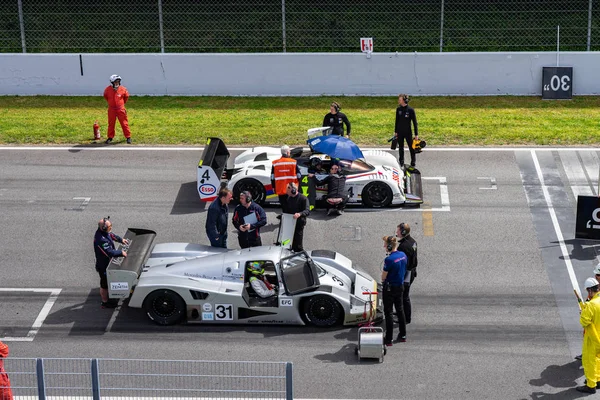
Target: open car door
{"type": "Point", "coordinates": [299, 273]}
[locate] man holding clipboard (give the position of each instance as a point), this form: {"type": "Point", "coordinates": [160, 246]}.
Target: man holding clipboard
{"type": "Point", "coordinates": [248, 217]}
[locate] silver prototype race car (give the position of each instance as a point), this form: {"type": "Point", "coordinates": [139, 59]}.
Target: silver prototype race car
{"type": "Point", "coordinates": [175, 282]}
{"type": "Point", "coordinates": [375, 181]}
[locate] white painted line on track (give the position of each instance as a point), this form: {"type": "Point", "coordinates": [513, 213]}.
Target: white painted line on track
{"type": "Point", "coordinates": [555, 224]}
{"type": "Point", "coordinates": [185, 148]}
{"type": "Point", "coordinates": [575, 174]}
{"type": "Point", "coordinates": [113, 317]}
{"type": "Point", "coordinates": [37, 324]}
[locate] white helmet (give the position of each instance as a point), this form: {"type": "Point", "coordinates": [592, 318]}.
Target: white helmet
{"type": "Point", "coordinates": [597, 269]}
{"type": "Point", "coordinates": [114, 78]}
{"type": "Point", "coordinates": [590, 283]}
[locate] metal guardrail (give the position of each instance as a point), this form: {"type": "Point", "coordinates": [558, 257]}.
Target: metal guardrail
{"type": "Point", "coordinates": [95, 379]}
{"type": "Point", "coordinates": [192, 26]}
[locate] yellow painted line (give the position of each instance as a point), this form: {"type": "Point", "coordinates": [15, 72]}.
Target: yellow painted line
{"type": "Point", "coordinates": [427, 216]}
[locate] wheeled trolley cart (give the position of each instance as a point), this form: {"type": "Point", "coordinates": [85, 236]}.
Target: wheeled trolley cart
{"type": "Point", "coordinates": [370, 338]}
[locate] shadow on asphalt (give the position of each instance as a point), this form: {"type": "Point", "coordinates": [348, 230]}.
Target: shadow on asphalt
{"type": "Point", "coordinates": [579, 252]}
{"type": "Point", "coordinates": [87, 318]}
{"type": "Point", "coordinates": [560, 376]}
{"type": "Point", "coordinates": [187, 200]}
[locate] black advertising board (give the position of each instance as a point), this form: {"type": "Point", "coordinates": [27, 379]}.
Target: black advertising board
{"type": "Point", "coordinates": [588, 218]}
{"type": "Point", "coordinates": [557, 83]}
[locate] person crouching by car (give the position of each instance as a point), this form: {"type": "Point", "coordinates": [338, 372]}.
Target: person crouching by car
{"type": "Point", "coordinates": [392, 278]}
{"type": "Point", "coordinates": [337, 197]}
{"type": "Point", "coordinates": [248, 217]}
{"type": "Point", "coordinates": [104, 248]}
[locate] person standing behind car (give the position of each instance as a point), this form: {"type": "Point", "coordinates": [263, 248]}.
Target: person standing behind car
{"type": "Point", "coordinates": [297, 204]}
{"type": "Point", "coordinates": [402, 129]}
{"type": "Point", "coordinates": [336, 119]}
{"type": "Point", "coordinates": [283, 172]}
{"type": "Point", "coordinates": [104, 248]}
{"type": "Point", "coordinates": [392, 278]}
{"type": "Point", "coordinates": [408, 246]}
{"type": "Point", "coordinates": [217, 219]}
{"type": "Point", "coordinates": [248, 233]}
{"type": "Point", "coordinates": [116, 96]}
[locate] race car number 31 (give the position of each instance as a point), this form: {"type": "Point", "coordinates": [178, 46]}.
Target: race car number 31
{"type": "Point", "coordinates": [223, 312]}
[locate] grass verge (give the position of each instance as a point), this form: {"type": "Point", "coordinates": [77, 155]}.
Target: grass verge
{"type": "Point", "coordinates": [481, 121]}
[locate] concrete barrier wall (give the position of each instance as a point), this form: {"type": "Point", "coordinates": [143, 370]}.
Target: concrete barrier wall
{"type": "Point", "coordinates": [294, 74]}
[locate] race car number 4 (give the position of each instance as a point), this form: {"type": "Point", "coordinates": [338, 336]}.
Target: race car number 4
{"type": "Point", "coordinates": [223, 312]}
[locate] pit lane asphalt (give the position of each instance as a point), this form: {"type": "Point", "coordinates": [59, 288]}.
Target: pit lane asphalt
{"type": "Point", "coordinates": [494, 316]}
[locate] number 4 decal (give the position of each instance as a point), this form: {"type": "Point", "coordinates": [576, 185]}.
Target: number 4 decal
{"type": "Point", "coordinates": [223, 312]}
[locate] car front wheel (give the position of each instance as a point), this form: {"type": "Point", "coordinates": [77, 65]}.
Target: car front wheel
{"type": "Point", "coordinates": [323, 311]}
{"type": "Point", "coordinates": [164, 307]}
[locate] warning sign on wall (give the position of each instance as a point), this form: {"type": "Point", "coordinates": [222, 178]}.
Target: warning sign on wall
{"type": "Point", "coordinates": [366, 45]}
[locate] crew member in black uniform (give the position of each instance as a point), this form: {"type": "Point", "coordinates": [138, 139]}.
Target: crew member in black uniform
{"type": "Point", "coordinates": [336, 119]}
{"type": "Point", "coordinates": [408, 246]}
{"type": "Point", "coordinates": [402, 130]}
{"type": "Point", "coordinates": [297, 204]}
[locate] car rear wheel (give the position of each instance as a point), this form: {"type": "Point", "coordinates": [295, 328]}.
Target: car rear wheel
{"type": "Point", "coordinates": [377, 194]}
{"type": "Point", "coordinates": [165, 307]}
{"type": "Point", "coordinates": [256, 189]}
{"type": "Point", "coordinates": [323, 311]}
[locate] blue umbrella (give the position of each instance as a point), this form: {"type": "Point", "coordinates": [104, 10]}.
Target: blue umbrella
{"type": "Point", "coordinates": [336, 147]}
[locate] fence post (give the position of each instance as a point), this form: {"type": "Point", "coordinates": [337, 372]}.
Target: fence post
{"type": "Point", "coordinates": [22, 25]}
{"type": "Point", "coordinates": [589, 33]}
{"type": "Point", "coordinates": [442, 27]}
{"type": "Point", "coordinates": [95, 380]}
{"type": "Point", "coordinates": [160, 27]}
{"type": "Point", "coordinates": [283, 23]}
{"type": "Point", "coordinates": [289, 383]}
{"type": "Point", "coordinates": [39, 369]}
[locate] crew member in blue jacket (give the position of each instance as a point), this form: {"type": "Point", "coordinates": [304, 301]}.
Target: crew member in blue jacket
{"type": "Point", "coordinates": [248, 233]}
{"type": "Point", "coordinates": [392, 277]}
{"type": "Point", "coordinates": [217, 218]}
{"type": "Point", "coordinates": [104, 248]}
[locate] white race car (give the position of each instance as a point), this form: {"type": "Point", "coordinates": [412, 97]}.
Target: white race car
{"type": "Point", "coordinates": [176, 282]}
{"type": "Point", "coordinates": [375, 181]}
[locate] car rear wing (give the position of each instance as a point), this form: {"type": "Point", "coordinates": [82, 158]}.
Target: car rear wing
{"type": "Point", "coordinates": [413, 192]}
{"type": "Point", "coordinates": [210, 168]}
{"type": "Point", "coordinates": [123, 272]}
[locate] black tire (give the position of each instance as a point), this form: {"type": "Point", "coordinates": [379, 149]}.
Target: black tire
{"type": "Point", "coordinates": [164, 307]}
{"type": "Point", "coordinates": [322, 311]}
{"type": "Point", "coordinates": [377, 194]}
{"type": "Point", "coordinates": [256, 189]}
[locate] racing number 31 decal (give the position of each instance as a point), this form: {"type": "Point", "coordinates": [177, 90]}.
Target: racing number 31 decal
{"type": "Point", "coordinates": [223, 312]}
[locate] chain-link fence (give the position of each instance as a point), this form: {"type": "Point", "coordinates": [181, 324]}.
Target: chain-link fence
{"type": "Point", "coordinates": [93, 379]}
{"type": "Point", "coordinates": [71, 26]}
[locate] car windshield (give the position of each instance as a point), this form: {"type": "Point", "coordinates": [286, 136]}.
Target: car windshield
{"type": "Point", "coordinates": [355, 167]}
